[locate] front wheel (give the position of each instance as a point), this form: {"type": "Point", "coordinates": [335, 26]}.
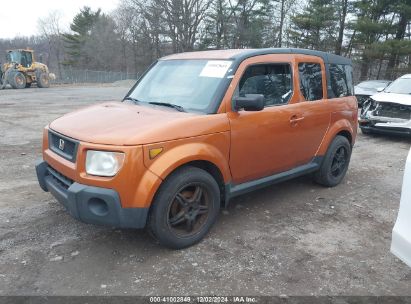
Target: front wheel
{"type": "Point", "coordinates": [17, 80]}
{"type": "Point", "coordinates": [335, 163]}
{"type": "Point", "coordinates": [184, 208]}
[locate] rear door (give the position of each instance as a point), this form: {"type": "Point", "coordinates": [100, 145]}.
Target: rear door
{"type": "Point", "coordinates": [313, 107]}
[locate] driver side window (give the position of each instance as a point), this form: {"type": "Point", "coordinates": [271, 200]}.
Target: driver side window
{"type": "Point", "coordinates": [273, 81]}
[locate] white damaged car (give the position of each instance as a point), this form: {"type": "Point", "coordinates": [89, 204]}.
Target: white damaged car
{"type": "Point", "coordinates": [390, 110]}
{"type": "Point", "coordinates": [401, 234]}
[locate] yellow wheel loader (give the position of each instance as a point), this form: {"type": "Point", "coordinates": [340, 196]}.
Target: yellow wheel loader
{"type": "Point", "coordinates": [21, 71]}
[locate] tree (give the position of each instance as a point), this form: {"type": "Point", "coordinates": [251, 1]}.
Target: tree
{"type": "Point", "coordinates": [373, 23]}
{"type": "Point", "coordinates": [398, 47]}
{"type": "Point", "coordinates": [217, 24]}
{"type": "Point", "coordinates": [81, 27]}
{"type": "Point", "coordinates": [283, 7]}
{"type": "Point", "coordinates": [102, 48]}
{"type": "Point", "coordinates": [315, 27]}
{"type": "Point", "coordinates": [50, 29]}
{"type": "Point", "coordinates": [249, 18]}
{"type": "Point", "coordinates": [342, 7]}
{"type": "Point", "coordinates": [183, 19]}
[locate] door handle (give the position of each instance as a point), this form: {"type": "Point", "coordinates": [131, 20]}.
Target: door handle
{"type": "Point", "coordinates": [294, 119]}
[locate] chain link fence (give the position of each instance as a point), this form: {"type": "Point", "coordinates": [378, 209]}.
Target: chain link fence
{"type": "Point", "coordinates": [72, 76]}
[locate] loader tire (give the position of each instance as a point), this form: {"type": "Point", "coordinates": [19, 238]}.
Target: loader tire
{"type": "Point", "coordinates": [43, 80]}
{"type": "Point", "coordinates": [17, 80]}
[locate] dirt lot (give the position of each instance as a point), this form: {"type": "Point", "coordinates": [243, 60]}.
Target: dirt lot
{"type": "Point", "coordinates": [295, 238]}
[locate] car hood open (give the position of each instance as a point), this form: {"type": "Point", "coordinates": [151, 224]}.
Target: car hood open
{"type": "Point", "coordinates": [118, 123]}
{"type": "Point", "coordinates": [404, 99]}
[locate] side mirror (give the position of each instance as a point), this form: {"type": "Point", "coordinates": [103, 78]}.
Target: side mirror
{"type": "Point", "coordinates": [249, 102]}
{"type": "Point", "coordinates": [380, 89]}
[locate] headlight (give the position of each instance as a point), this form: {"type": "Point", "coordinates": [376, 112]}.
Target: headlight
{"type": "Point", "coordinates": [103, 163]}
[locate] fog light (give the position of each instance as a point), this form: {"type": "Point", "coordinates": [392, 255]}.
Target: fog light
{"type": "Point", "coordinates": [98, 206]}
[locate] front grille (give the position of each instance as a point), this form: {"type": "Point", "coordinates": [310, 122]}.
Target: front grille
{"type": "Point", "coordinates": [64, 146]}
{"type": "Point", "coordinates": [362, 98]}
{"type": "Point", "coordinates": [59, 178]}
{"type": "Point", "coordinates": [393, 110]}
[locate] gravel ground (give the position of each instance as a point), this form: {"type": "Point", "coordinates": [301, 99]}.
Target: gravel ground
{"type": "Point", "coordinates": [295, 238]}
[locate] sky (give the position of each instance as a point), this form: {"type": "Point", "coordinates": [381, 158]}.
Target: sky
{"type": "Point", "coordinates": [19, 18]}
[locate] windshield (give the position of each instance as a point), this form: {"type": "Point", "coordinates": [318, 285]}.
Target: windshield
{"type": "Point", "coordinates": [400, 86]}
{"type": "Point", "coordinates": [14, 57]}
{"type": "Point", "coordinates": [21, 57]}
{"type": "Point", "coordinates": [373, 84]}
{"type": "Point", "coordinates": [190, 84]}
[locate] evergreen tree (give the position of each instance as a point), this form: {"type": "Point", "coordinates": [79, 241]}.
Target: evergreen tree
{"type": "Point", "coordinates": [398, 47]}
{"type": "Point", "coordinates": [315, 27]}
{"type": "Point", "coordinates": [373, 25]}
{"type": "Point", "coordinates": [81, 28]}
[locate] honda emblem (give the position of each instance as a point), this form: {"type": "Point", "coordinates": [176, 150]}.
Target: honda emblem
{"type": "Point", "coordinates": [61, 144]}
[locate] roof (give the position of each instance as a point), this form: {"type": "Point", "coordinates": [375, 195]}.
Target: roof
{"type": "Point", "coordinates": [242, 54]}
{"type": "Point", "coordinates": [20, 50]}
{"type": "Point", "coordinates": [406, 76]}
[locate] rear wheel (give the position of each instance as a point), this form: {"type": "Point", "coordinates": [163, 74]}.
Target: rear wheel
{"type": "Point", "coordinates": [17, 80]}
{"type": "Point", "coordinates": [335, 163]}
{"type": "Point", "coordinates": [43, 80]}
{"type": "Point", "coordinates": [184, 208]}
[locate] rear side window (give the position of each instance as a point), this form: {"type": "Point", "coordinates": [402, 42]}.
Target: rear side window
{"type": "Point", "coordinates": [271, 80]}
{"type": "Point", "coordinates": [311, 81]}
{"type": "Point", "coordinates": [350, 82]}
{"type": "Point", "coordinates": [341, 80]}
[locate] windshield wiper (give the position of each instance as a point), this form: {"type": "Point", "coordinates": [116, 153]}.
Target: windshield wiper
{"type": "Point", "coordinates": [166, 104]}
{"type": "Point", "coordinates": [135, 100]}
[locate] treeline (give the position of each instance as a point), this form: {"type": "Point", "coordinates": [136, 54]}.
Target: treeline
{"type": "Point", "coordinates": [376, 34]}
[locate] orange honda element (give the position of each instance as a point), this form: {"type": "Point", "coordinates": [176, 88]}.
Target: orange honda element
{"type": "Point", "coordinates": [198, 129]}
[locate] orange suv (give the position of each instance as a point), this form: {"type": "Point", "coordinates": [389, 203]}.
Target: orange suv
{"type": "Point", "coordinates": [198, 129]}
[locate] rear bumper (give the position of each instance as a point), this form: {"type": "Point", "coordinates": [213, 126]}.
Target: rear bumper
{"type": "Point", "coordinates": [93, 205]}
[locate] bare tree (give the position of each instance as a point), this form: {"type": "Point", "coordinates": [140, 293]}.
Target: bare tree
{"type": "Point", "coordinates": [183, 18]}
{"type": "Point", "coordinates": [342, 11]}
{"type": "Point", "coordinates": [50, 28]}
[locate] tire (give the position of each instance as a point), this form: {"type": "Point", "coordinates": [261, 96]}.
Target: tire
{"type": "Point", "coordinates": [365, 131]}
{"type": "Point", "coordinates": [335, 163]}
{"type": "Point", "coordinates": [181, 214]}
{"type": "Point", "coordinates": [17, 80]}
{"type": "Point", "coordinates": [43, 80]}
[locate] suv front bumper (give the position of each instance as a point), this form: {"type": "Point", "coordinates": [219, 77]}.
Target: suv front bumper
{"type": "Point", "coordinates": [385, 125]}
{"type": "Point", "coordinates": [93, 205]}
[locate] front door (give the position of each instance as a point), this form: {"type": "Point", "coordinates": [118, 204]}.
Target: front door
{"type": "Point", "coordinates": [265, 142]}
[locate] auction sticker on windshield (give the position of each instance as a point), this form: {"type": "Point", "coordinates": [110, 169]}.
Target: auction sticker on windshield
{"type": "Point", "coordinates": [215, 68]}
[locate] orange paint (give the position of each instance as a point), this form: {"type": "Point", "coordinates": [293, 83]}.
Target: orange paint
{"type": "Point", "coordinates": [243, 145]}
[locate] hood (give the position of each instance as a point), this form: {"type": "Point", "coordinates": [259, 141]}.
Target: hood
{"type": "Point", "coordinates": [364, 91]}
{"type": "Point", "coordinates": [404, 99]}
{"type": "Point", "coordinates": [118, 123]}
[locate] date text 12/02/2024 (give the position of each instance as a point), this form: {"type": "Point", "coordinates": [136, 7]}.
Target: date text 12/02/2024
{"type": "Point", "coordinates": [204, 299]}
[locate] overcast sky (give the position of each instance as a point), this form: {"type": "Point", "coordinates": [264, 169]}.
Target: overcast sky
{"type": "Point", "coordinates": [19, 17]}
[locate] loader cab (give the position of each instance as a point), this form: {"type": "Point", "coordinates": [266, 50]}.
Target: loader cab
{"type": "Point", "coordinates": [22, 57]}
